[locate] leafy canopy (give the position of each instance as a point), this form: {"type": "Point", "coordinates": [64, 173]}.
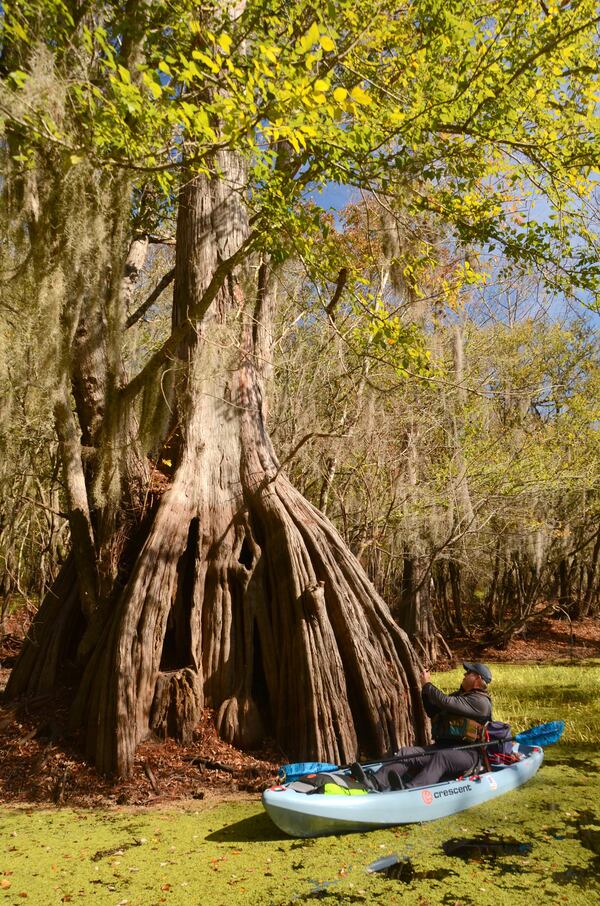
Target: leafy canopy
{"type": "Point", "coordinates": [464, 109]}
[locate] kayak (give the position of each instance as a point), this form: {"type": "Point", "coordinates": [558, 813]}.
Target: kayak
{"type": "Point", "coordinates": [301, 814]}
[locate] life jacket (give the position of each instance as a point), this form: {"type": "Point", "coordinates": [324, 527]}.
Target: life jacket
{"type": "Point", "coordinates": [456, 729]}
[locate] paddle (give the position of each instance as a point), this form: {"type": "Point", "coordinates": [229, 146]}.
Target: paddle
{"type": "Point", "coordinates": [541, 735]}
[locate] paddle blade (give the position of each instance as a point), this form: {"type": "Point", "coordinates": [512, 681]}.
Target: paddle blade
{"type": "Point", "coordinates": [543, 735]}
{"type": "Point", "coordinates": [289, 772]}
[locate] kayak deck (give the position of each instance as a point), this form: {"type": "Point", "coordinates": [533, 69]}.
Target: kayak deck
{"type": "Point", "coordinates": [312, 815]}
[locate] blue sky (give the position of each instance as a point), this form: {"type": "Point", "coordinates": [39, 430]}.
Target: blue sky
{"type": "Point", "coordinates": [334, 196]}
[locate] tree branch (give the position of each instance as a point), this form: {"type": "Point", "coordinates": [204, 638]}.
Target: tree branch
{"type": "Point", "coordinates": [339, 289]}
{"type": "Point", "coordinates": [156, 292]}
{"type": "Point", "coordinates": [550, 45]}
{"type": "Point", "coordinates": [42, 505]}
{"type": "Point", "coordinates": [270, 478]}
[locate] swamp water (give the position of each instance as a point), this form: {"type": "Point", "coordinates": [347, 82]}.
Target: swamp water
{"type": "Point", "coordinates": [231, 852]}
{"type": "Point", "coordinates": [221, 853]}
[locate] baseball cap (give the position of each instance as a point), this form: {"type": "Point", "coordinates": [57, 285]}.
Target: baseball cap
{"type": "Point", "coordinates": [484, 672]}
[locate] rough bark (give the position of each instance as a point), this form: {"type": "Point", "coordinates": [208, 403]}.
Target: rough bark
{"type": "Point", "coordinates": [134, 264]}
{"type": "Point", "coordinates": [176, 704]}
{"type": "Point", "coordinates": [82, 532]}
{"type": "Point", "coordinates": [416, 607]}
{"type": "Point", "coordinates": [52, 638]}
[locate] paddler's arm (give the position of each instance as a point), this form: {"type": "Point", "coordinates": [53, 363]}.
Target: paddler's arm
{"type": "Point", "coordinates": [477, 707]}
{"type": "Point", "coordinates": [430, 708]}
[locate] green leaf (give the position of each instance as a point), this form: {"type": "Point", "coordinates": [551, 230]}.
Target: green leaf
{"type": "Point", "coordinates": [18, 77]}
{"type": "Point", "coordinates": [15, 26]}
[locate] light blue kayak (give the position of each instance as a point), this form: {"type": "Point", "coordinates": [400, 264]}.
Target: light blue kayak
{"type": "Point", "coordinates": [317, 814]}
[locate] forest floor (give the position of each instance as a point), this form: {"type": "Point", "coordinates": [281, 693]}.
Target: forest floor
{"type": "Point", "coordinates": [40, 762]}
{"type": "Point", "coordinates": [542, 641]}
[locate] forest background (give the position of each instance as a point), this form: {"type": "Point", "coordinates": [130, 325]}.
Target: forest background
{"type": "Point", "coordinates": [424, 360]}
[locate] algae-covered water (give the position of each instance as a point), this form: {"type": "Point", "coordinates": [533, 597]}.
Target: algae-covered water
{"type": "Point", "coordinates": [208, 854]}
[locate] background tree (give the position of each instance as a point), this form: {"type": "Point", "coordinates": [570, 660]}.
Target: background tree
{"type": "Point", "coordinates": [529, 465]}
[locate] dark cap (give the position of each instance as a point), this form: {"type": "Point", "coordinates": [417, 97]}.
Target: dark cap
{"type": "Point", "coordinates": [484, 672]}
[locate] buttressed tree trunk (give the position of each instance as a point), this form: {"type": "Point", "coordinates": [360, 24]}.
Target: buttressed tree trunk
{"type": "Point", "coordinates": [243, 596]}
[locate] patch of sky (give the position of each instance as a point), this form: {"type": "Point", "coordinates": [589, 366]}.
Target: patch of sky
{"type": "Point", "coordinates": [333, 197]}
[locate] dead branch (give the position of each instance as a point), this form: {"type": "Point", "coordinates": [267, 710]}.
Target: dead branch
{"type": "Point", "coordinates": [154, 295]}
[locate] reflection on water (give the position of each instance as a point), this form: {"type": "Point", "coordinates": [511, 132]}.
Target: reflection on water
{"type": "Point", "coordinates": [402, 869]}
{"type": "Point", "coordinates": [485, 847]}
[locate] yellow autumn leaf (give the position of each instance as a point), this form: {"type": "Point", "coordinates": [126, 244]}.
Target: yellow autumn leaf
{"type": "Point", "coordinates": [224, 41]}
{"type": "Point", "coordinates": [203, 58]}
{"type": "Point", "coordinates": [268, 52]}
{"type": "Point", "coordinates": [311, 37]}
{"type": "Point", "coordinates": [339, 94]}
{"type": "Point", "coordinates": [326, 43]}
{"type": "Point", "coordinates": [359, 95]}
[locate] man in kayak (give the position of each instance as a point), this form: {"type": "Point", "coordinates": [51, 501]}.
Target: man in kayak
{"type": "Point", "coordinates": [457, 719]}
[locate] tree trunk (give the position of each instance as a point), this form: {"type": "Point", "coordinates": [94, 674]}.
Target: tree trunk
{"type": "Point", "coordinates": [587, 607]}
{"type": "Point", "coordinates": [416, 614]}
{"type": "Point", "coordinates": [416, 607]}
{"type": "Point", "coordinates": [243, 596]}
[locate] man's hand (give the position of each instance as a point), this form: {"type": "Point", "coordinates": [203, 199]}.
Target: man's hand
{"type": "Point", "coordinates": [425, 677]}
